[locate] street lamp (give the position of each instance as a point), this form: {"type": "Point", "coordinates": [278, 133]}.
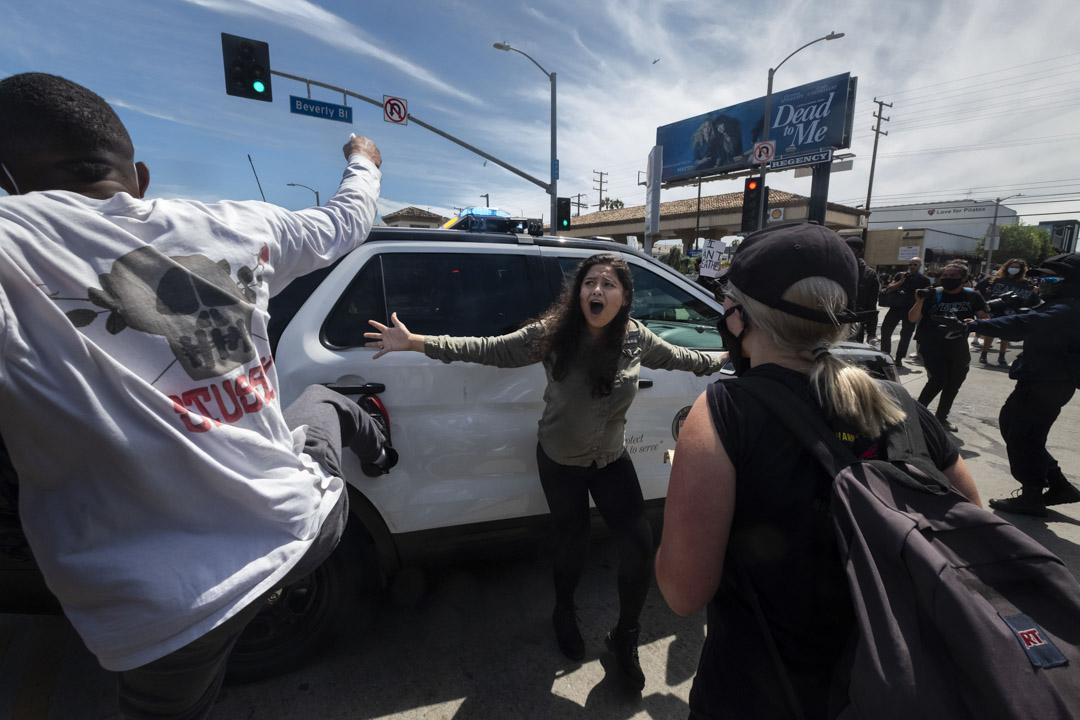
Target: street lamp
{"type": "Point", "coordinates": [305, 186]}
{"type": "Point", "coordinates": [993, 228]}
{"type": "Point", "coordinates": [553, 186]}
{"type": "Point", "coordinates": [768, 116]}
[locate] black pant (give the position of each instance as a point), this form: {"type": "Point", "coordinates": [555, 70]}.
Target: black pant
{"type": "Point", "coordinates": [896, 315]}
{"type": "Point", "coordinates": [946, 366]}
{"type": "Point", "coordinates": [1025, 421]}
{"type": "Point", "coordinates": [867, 329]}
{"type": "Point", "coordinates": [617, 494]}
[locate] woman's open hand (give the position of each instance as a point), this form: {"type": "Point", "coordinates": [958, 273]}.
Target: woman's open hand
{"type": "Point", "coordinates": [390, 338]}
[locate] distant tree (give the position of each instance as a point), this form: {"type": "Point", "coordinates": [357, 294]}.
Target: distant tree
{"type": "Point", "coordinates": [1029, 242]}
{"type": "Point", "coordinates": [611, 204]}
{"type": "Point", "coordinates": [674, 258]}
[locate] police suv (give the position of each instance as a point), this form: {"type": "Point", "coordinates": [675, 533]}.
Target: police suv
{"type": "Point", "coordinates": [465, 433]}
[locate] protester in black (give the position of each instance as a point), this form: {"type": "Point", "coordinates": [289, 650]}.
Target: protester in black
{"type": "Point", "coordinates": [944, 351]}
{"type": "Point", "coordinates": [904, 285]}
{"type": "Point", "coordinates": [742, 486]}
{"type": "Point", "coordinates": [1012, 287]}
{"type": "Point", "coordinates": [866, 296]}
{"type": "Point", "coordinates": [1047, 374]}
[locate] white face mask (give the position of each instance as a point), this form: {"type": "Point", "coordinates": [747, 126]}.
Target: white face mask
{"type": "Point", "coordinates": [10, 179]}
{"type": "Point", "coordinates": [1013, 271]}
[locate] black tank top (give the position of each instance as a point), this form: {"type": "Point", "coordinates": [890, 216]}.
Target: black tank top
{"type": "Point", "coordinates": [785, 538]}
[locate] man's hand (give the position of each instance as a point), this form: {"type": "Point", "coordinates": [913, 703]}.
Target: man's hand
{"type": "Point", "coordinates": [950, 325]}
{"type": "Point", "coordinates": [360, 145]}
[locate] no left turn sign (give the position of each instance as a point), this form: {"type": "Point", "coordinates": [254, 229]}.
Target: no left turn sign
{"type": "Point", "coordinates": [764, 151]}
{"type": "Point", "coordinates": [395, 110]}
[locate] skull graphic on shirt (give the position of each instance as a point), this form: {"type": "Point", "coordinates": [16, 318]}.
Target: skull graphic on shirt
{"type": "Point", "coordinates": [190, 300]}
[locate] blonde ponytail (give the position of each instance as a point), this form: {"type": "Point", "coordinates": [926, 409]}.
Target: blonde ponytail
{"type": "Point", "coordinates": [848, 393]}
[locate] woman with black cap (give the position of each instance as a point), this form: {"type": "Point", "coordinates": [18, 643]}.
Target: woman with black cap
{"type": "Point", "coordinates": [741, 480]}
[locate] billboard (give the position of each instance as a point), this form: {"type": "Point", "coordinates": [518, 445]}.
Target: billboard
{"type": "Point", "coordinates": [810, 117]}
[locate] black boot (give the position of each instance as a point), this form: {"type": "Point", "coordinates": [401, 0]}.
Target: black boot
{"type": "Point", "coordinates": [1029, 501]}
{"type": "Point", "coordinates": [566, 632]}
{"type": "Point", "coordinates": [623, 643]}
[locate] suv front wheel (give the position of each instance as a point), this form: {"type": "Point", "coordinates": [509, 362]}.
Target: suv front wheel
{"type": "Point", "coordinates": [302, 619]}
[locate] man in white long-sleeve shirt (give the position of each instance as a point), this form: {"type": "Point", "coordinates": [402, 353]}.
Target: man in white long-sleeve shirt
{"type": "Point", "coordinates": [163, 489]}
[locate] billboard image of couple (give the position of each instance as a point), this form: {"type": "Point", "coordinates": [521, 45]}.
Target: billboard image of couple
{"type": "Point", "coordinates": [810, 117]}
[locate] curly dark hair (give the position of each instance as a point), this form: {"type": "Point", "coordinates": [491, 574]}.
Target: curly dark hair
{"type": "Point", "coordinates": [565, 329]}
{"type": "Point", "coordinates": [37, 109]}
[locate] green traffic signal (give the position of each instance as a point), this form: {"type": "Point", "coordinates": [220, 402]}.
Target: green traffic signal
{"type": "Point", "coordinates": [247, 68]}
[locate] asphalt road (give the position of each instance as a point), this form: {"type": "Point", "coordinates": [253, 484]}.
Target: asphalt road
{"type": "Point", "coordinates": [475, 641]}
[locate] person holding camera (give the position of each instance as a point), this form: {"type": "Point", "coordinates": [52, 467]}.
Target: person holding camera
{"type": "Point", "coordinates": [1006, 292]}
{"type": "Point", "coordinates": [944, 349]}
{"type": "Point", "coordinates": [901, 294]}
{"type": "Point", "coordinates": [1047, 374]}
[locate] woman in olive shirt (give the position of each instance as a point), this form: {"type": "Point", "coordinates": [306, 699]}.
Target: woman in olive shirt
{"type": "Point", "coordinates": [592, 352]}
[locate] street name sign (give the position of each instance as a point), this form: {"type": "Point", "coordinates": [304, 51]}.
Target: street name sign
{"type": "Point", "coordinates": [318, 108]}
{"type": "Point", "coordinates": [811, 158]}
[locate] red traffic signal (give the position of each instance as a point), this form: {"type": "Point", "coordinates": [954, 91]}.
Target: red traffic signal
{"type": "Point", "coordinates": [751, 184]}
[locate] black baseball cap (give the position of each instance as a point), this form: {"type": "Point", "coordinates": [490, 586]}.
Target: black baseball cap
{"type": "Point", "coordinates": [770, 261]}
{"type": "Point", "coordinates": [1066, 265]}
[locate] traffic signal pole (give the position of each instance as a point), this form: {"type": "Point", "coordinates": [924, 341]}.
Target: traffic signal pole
{"type": "Point", "coordinates": [548, 187]}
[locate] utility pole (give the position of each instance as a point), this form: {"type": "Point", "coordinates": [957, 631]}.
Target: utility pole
{"type": "Point", "coordinates": [878, 132]}
{"type": "Point", "coordinates": [578, 204]}
{"type": "Point", "coordinates": [600, 204]}
{"type": "Point", "coordinates": [487, 199]}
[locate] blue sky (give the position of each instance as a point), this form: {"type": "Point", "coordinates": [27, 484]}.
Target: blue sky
{"type": "Point", "coordinates": [986, 95]}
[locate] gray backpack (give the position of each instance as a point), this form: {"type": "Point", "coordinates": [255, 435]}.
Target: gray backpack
{"type": "Point", "coordinates": [958, 614]}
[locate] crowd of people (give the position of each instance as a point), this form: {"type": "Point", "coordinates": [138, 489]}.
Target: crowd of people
{"type": "Point", "coordinates": [236, 509]}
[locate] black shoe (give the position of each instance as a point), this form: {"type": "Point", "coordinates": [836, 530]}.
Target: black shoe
{"type": "Point", "coordinates": [566, 632]}
{"type": "Point", "coordinates": [389, 457]}
{"type": "Point", "coordinates": [947, 425]}
{"type": "Point", "coordinates": [1061, 494]}
{"type": "Point", "coordinates": [982, 358]}
{"type": "Point", "coordinates": [623, 643]}
{"type": "Point", "coordinates": [1002, 360]}
{"type": "Point", "coordinates": [1021, 505]}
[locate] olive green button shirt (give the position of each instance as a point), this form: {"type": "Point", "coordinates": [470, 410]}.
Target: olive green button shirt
{"type": "Point", "coordinates": [576, 428]}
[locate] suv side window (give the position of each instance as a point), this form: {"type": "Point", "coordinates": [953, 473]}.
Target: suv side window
{"type": "Point", "coordinates": [436, 294]}
{"type": "Point", "coordinates": [669, 311]}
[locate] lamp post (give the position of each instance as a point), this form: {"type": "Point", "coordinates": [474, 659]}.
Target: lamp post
{"type": "Point", "coordinates": [553, 186]}
{"type": "Point", "coordinates": [768, 117]}
{"type": "Point", "coordinates": [305, 186]}
{"type": "Point", "coordinates": [993, 228]}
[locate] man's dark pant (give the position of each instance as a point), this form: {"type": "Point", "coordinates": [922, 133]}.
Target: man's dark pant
{"type": "Point", "coordinates": [1025, 421]}
{"type": "Point", "coordinates": [947, 364]}
{"type": "Point", "coordinates": [896, 316]}
{"type": "Point", "coordinates": [867, 329]}
{"type": "Point", "coordinates": [184, 684]}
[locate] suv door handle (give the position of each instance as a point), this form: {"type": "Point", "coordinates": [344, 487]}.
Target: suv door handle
{"type": "Point", "coordinates": [365, 389]}
{"type": "Point", "coordinates": [644, 383]}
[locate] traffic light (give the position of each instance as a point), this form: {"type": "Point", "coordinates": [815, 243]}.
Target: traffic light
{"type": "Point", "coordinates": [751, 205]}
{"type": "Point", "coordinates": [247, 67]}
{"type": "Point", "coordinates": [562, 213]}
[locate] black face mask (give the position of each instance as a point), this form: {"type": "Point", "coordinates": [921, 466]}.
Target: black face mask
{"type": "Point", "coordinates": [951, 284]}
{"type": "Point", "coordinates": [733, 343]}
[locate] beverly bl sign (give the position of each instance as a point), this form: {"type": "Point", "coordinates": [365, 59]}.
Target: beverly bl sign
{"type": "Point", "coordinates": [318, 108]}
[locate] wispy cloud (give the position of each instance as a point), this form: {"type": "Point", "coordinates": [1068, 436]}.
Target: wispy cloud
{"type": "Point", "coordinates": [307, 17]}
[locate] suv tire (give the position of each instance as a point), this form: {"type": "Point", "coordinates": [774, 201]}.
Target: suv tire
{"type": "Point", "coordinates": [305, 618]}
